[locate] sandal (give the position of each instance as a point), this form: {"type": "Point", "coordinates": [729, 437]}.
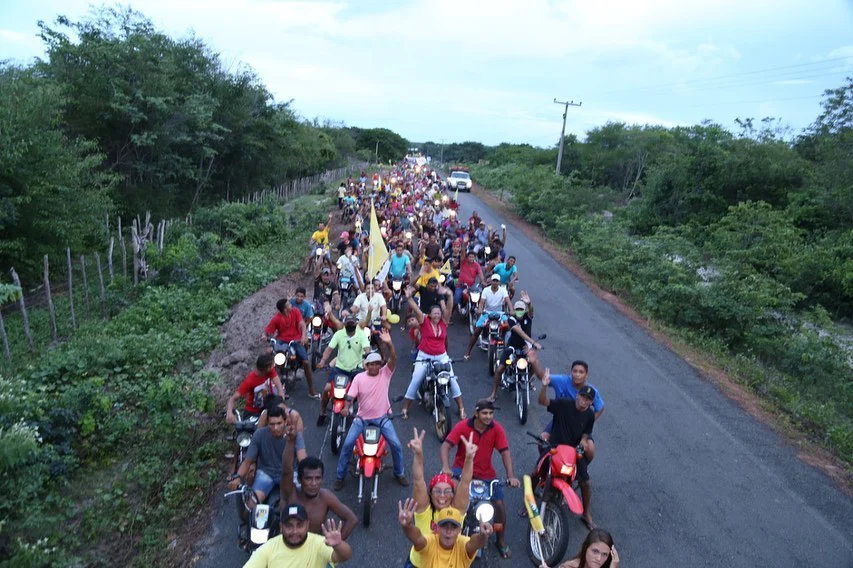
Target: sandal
{"type": "Point", "coordinates": [315, 396]}
{"type": "Point", "coordinates": [589, 524]}
{"type": "Point", "coordinates": [504, 550]}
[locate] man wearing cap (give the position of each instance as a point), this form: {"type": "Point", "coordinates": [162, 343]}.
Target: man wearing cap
{"type": "Point", "coordinates": [520, 338]}
{"type": "Point", "coordinates": [445, 547]}
{"type": "Point", "coordinates": [573, 422]}
{"type": "Point", "coordinates": [371, 390]}
{"type": "Point", "coordinates": [488, 435]}
{"type": "Point", "coordinates": [298, 547]}
{"type": "Point", "coordinates": [494, 299]}
{"type": "Point", "coordinates": [352, 343]}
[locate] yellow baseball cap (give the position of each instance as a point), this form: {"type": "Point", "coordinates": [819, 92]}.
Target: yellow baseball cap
{"type": "Point", "coordinates": [448, 515]}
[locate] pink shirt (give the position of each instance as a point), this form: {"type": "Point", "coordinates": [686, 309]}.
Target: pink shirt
{"type": "Point", "coordinates": [372, 393]}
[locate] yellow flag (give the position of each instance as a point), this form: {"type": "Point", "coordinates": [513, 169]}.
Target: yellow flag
{"type": "Point", "coordinates": [378, 251]}
{"type": "Point", "coordinates": [445, 269]}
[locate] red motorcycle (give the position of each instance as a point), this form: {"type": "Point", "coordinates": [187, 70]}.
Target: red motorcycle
{"type": "Point", "coordinates": [554, 490]}
{"type": "Point", "coordinates": [370, 448]}
{"type": "Point", "coordinates": [340, 423]}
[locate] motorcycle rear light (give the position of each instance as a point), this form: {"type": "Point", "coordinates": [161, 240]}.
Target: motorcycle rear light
{"type": "Point", "coordinates": [279, 359]}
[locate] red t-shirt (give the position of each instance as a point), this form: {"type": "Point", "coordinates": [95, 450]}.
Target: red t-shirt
{"type": "Point", "coordinates": [468, 272]}
{"type": "Point", "coordinates": [285, 327]}
{"type": "Point", "coordinates": [493, 438]}
{"type": "Point", "coordinates": [433, 344]}
{"type": "Point", "coordinates": [255, 388]}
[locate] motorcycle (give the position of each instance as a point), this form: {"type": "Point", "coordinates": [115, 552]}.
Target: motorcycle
{"type": "Point", "coordinates": [261, 523]}
{"type": "Point", "coordinates": [243, 431]}
{"type": "Point", "coordinates": [286, 362]}
{"type": "Point", "coordinates": [347, 213]}
{"type": "Point", "coordinates": [319, 252]}
{"type": "Point", "coordinates": [320, 336]}
{"type": "Point", "coordinates": [348, 290]}
{"type": "Point", "coordinates": [368, 453]}
{"type": "Point", "coordinates": [481, 510]}
{"type": "Point", "coordinates": [340, 424]}
{"type": "Point", "coordinates": [516, 377]}
{"type": "Point", "coordinates": [435, 395]}
{"type": "Point", "coordinates": [468, 305]}
{"type": "Point", "coordinates": [494, 341]}
{"type": "Point", "coordinates": [556, 472]}
{"type": "Point", "coordinates": [397, 285]}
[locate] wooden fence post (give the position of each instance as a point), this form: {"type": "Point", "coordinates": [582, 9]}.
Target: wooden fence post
{"type": "Point", "coordinates": [54, 333]}
{"type": "Point", "coordinates": [23, 305]}
{"type": "Point", "coordinates": [134, 235]}
{"type": "Point", "coordinates": [110, 258]}
{"type": "Point", "coordinates": [71, 288]}
{"type": "Point", "coordinates": [5, 339]}
{"type": "Point", "coordinates": [85, 282]}
{"type": "Point", "coordinates": [101, 280]}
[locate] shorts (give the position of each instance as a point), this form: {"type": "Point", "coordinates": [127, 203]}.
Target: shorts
{"type": "Point", "coordinates": [485, 317]}
{"type": "Point", "coordinates": [263, 482]}
{"type": "Point", "coordinates": [497, 495]}
{"type": "Point", "coordinates": [335, 371]}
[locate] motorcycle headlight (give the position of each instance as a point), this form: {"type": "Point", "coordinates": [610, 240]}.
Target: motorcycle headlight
{"type": "Point", "coordinates": [280, 359]}
{"type": "Point", "coordinates": [485, 512]}
{"type": "Point", "coordinates": [475, 297]}
{"type": "Point", "coordinates": [244, 439]}
{"type": "Point", "coordinates": [488, 250]}
{"type": "Point", "coordinates": [436, 202]}
{"type": "Point", "coordinates": [443, 379]}
{"type": "Point", "coordinates": [441, 278]}
{"type": "Point", "coordinates": [521, 364]}
{"type": "Point", "coordinates": [397, 284]}
{"type": "Point", "coordinates": [370, 449]}
{"type": "Point", "coordinates": [340, 393]}
{"type": "Point", "coordinates": [317, 321]}
{"type": "Point", "coordinates": [319, 252]}
{"type": "Point", "coordinates": [408, 234]}
{"type": "Point", "coordinates": [493, 326]}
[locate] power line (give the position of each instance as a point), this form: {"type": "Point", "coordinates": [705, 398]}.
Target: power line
{"type": "Point", "coordinates": [755, 102]}
{"type": "Point", "coordinates": [709, 81]}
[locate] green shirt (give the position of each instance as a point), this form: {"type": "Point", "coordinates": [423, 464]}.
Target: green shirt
{"type": "Point", "coordinates": [350, 349]}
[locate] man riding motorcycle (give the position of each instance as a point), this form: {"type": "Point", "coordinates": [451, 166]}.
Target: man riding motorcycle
{"type": "Point", "coordinates": [259, 384]}
{"type": "Point", "coordinates": [494, 299]}
{"type": "Point", "coordinates": [352, 344]}
{"type": "Point", "coordinates": [286, 326]}
{"type": "Point", "coordinates": [520, 339]}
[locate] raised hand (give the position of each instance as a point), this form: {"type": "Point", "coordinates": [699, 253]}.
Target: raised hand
{"type": "Point", "coordinates": [332, 532]}
{"type": "Point", "coordinates": [470, 446]}
{"type": "Point", "coordinates": [385, 336]}
{"type": "Point", "coordinates": [546, 378]}
{"type": "Point", "coordinates": [486, 529]}
{"type": "Point", "coordinates": [409, 291]}
{"type": "Point", "coordinates": [614, 562]}
{"type": "Point", "coordinates": [406, 511]}
{"type": "Point", "coordinates": [524, 297]}
{"type": "Point", "coordinates": [416, 444]}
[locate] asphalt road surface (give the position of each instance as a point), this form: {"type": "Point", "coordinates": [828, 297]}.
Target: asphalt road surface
{"type": "Point", "coordinates": [682, 475]}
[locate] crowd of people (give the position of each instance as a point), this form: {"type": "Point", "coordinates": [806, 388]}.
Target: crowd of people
{"type": "Point", "coordinates": [436, 258]}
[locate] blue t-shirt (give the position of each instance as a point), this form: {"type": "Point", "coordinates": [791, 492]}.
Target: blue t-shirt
{"type": "Point", "coordinates": [504, 272]}
{"type": "Point", "coordinates": [305, 308]}
{"type": "Point", "coordinates": [563, 388]}
{"type": "Point", "coordinates": [398, 265]}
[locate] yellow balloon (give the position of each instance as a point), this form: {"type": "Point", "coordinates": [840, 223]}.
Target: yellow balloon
{"type": "Point", "coordinates": [393, 319]}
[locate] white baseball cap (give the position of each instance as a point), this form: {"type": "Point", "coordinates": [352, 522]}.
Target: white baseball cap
{"type": "Point", "coordinates": [373, 357]}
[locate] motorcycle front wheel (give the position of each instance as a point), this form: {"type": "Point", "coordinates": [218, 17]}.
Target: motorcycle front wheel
{"type": "Point", "coordinates": [492, 356]}
{"type": "Point", "coordinates": [555, 541]}
{"type": "Point", "coordinates": [521, 401]}
{"type": "Point", "coordinates": [442, 421]}
{"type": "Point", "coordinates": [365, 513]}
{"type": "Point", "coordinates": [339, 432]}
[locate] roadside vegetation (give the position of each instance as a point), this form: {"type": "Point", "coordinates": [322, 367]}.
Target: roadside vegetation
{"type": "Point", "coordinates": [740, 243]}
{"type": "Point", "coordinates": [108, 437]}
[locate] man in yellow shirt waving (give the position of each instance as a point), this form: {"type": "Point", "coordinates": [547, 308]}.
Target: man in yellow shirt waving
{"type": "Point", "coordinates": [320, 237]}
{"type": "Point", "coordinates": [445, 547]}
{"type": "Point", "coordinates": [297, 548]}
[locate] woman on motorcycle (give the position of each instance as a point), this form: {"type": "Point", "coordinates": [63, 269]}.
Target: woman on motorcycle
{"type": "Point", "coordinates": [433, 346]}
{"type": "Point", "coordinates": [597, 551]}
{"type": "Point", "coordinates": [443, 491]}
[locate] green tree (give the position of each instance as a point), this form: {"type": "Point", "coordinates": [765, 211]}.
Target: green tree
{"type": "Point", "coordinates": [52, 194]}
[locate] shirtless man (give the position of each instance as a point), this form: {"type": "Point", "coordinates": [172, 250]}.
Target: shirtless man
{"type": "Point", "coordinates": [311, 495]}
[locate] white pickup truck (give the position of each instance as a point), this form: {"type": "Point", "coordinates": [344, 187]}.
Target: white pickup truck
{"type": "Point", "coordinates": [460, 180]}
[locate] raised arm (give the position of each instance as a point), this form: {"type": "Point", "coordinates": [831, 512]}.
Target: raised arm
{"type": "Point", "coordinates": [419, 315]}
{"type": "Point", "coordinates": [543, 394]}
{"type": "Point", "coordinates": [385, 337]}
{"type": "Point", "coordinates": [405, 515]}
{"type": "Point", "coordinates": [419, 488]}
{"type": "Point", "coordinates": [462, 497]}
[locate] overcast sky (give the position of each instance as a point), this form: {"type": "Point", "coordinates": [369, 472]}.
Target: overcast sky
{"type": "Point", "coordinates": [489, 70]}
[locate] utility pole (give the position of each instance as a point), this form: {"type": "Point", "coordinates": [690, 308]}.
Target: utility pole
{"type": "Point", "coordinates": [377, 151]}
{"type": "Point", "coordinates": [441, 159]}
{"type": "Point", "coordinates": [563, 131]}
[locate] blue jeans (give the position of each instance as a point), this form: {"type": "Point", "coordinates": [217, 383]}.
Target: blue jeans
{"type": "Point", "coordinates": [388, 432]}
{"type": "Point", "coordinates": [301, 354]}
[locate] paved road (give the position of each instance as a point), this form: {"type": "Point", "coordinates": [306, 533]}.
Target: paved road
{"type": "Point", "coordinates": [682, 476]}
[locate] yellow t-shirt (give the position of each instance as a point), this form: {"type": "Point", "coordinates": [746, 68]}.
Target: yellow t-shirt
{"type": "Point", "coordinates": [434, 556]}
{"type": "Point", "coordinates": [314, 553]}
{"type": "Point", "coordinates": [321, 237]}
{"type": "Point", "coordinates": [424, 278]}
{"type": "Point", "coordinates": [423, 521]}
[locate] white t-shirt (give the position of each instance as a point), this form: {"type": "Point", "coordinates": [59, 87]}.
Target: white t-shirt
{"type": "Point", "coordinates": [494, 301]}
{"type": "Point", "coordinates": [361, 304]}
